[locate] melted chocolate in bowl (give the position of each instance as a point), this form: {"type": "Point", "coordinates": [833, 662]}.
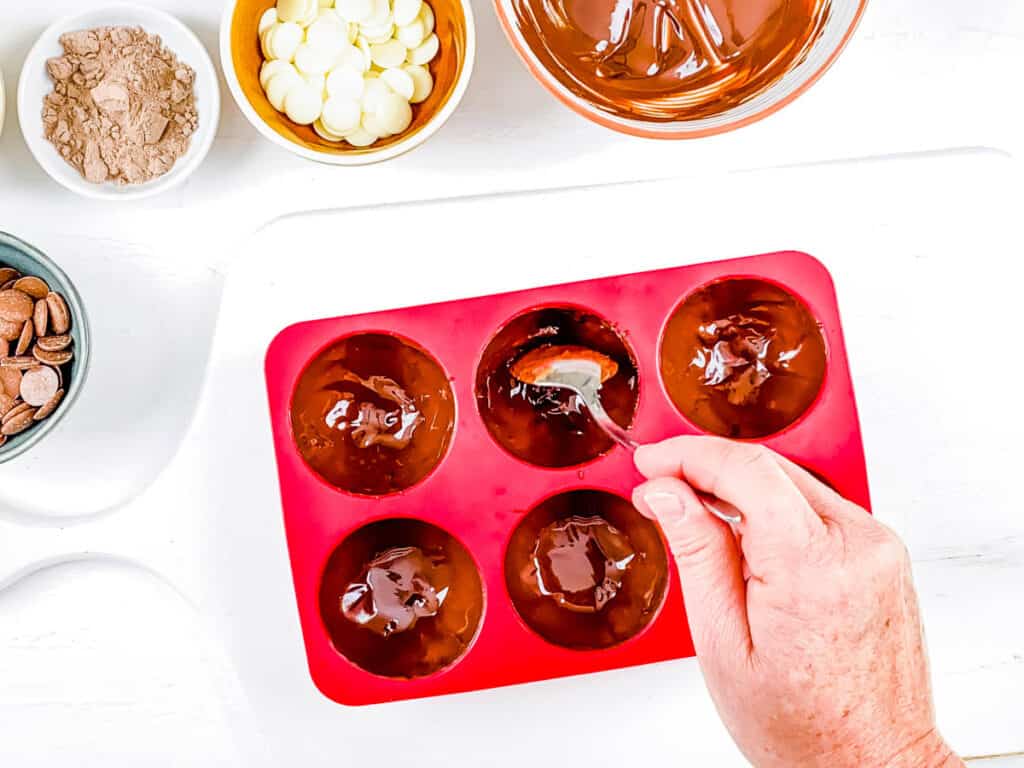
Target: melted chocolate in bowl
{"type": "Point", "coordinates": [549, 427]}
{"type": "Point", "coordinates": [373, 414]}
{"type": "Point", "coordinates": [742, 358]}
{"type": "Point", "coordinates": [585, 570]}
{"type": "Point", "coordinates": [669, 60]}
{"type": "Point", "coordinates": [401, 598]}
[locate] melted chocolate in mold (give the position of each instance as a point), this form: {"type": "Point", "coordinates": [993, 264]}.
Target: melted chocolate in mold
{"type": "Point", "coordinates": [544, 426]}
{"type": "Point", "coordinates": [373, 414]}
{"type": "Point", "coordinates": [397, 588]}
{"type": "Point", "coordinates": [585, 570]}
{"type": "Point", "coordinates": [734, 358]}
{"type": "Point", "coordinates": [401, 598]}
{"type": "Point", "coordinates": [667, 60]}
{"type": "Point", "coordinates": [370, 424]}
{"type": "Point", "coordinates": [581, 562]}
{"type": "Point", "coordinates": [743, 358]}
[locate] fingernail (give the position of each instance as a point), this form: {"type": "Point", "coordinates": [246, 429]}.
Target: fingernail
{"type": "Point", "coordinates": [665, 506]}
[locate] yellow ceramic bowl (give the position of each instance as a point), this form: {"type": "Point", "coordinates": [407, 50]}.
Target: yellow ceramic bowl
{"type": "Point", "coordinates": [451, 68]}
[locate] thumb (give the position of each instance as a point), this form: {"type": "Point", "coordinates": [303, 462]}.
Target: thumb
{"type": "Point", "coordinates": [710, 570]}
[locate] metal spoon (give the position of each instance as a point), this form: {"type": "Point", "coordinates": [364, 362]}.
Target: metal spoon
{"type": "Point", "coordinates": [583, 378]}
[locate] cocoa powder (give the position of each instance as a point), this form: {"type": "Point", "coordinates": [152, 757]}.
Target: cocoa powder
{"type": "Point", "coordinates": [122, 107]}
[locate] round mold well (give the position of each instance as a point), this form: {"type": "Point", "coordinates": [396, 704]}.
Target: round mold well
{"type": "Point", "coordinates": [438, 638]}
{"type": "Point", "coordinates": [742, 357]}
{"type": "Point", "coordinates": [373, 414]}
{"type": "Point", "coordinates": [576, 618]}
{"type": "Point", "coordinates": [543, 427]}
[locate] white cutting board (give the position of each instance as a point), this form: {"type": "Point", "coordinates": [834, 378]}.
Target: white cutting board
{"type": "Point", "coordinates": [928, 246]}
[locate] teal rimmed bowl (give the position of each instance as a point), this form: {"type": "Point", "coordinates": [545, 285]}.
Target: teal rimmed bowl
{"type": "Point", "coordinates": [31, 261]}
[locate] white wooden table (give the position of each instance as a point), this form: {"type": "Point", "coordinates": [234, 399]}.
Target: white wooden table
{"type": "Point", "coordinates": [165, 633]}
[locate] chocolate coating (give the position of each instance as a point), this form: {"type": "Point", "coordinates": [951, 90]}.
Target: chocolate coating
{"type": "Point", "coordinates": [667, 60]}
{"type": "Point", "coordinates": [401, 598]}
{"type": "Point", "coordinates": [581, 562]}
{"type": "Point", "coordinates": [544, 426]}
{"type": "Point", "coordinates": [373, 414]}
{"type": "Point", "coordinates": [397, 588]}
{"type": "Point", "coordinates": [585, 570]}
{"type": "Point", "coordinates": [742, 358]}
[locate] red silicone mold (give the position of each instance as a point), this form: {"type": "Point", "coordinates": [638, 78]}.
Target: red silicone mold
{"type": "Point", "coordinates": [479, 492]}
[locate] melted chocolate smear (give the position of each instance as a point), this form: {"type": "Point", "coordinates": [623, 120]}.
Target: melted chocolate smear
{"type": "Point", "coordinates": [378, 412]}
{"type": "Point", "coordinates": [401, 598]}
{"type": "Point", "coordinates": [743, 358]}
{"type": "Point", "coordinates": [373, 414]}
{"type": "Point", "coordinates": [581, 562]}
{"type": "Point", "coordinates": [398, 588]}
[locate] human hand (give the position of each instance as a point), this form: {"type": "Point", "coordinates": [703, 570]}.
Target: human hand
{"type": "Point", "coordinates": [805, 620]}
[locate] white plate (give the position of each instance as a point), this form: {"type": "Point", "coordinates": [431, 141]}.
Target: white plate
{"type": "Point", "coordinates": [35, 84]}
{"type": "Point", "coordinates": [3, 101]}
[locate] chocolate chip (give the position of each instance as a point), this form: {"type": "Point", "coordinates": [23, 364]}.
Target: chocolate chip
{"type": "Point", "coordinates": [35, 342]}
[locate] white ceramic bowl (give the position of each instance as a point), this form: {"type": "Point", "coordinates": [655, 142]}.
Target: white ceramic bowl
{"type": "Point", "coordinates": [35, 84]}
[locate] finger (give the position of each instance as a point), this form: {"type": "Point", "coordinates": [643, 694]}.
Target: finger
{"type": "Point", "coordinates": [710, 570]}
{"type": "Point", "coordinates": [816, 492]}
{"type": "Point", "coordinates": [779, 523]}
{"type": "Point", "coordinates": [825, 500]}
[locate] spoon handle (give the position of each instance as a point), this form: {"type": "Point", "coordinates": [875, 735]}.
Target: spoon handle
{"type": "Point", "coordinates": [610, 426]}
{"type": "Point", "coordinates": [723, 510]}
